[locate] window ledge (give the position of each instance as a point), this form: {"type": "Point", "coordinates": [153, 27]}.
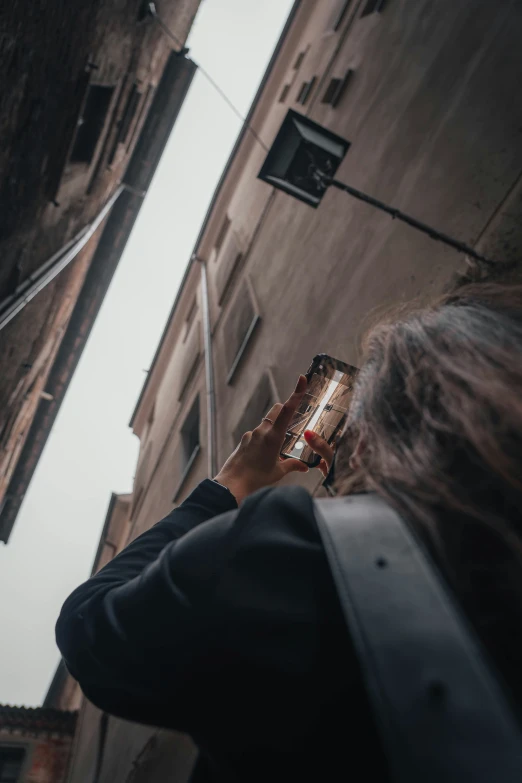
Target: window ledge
{"type": "Point", "coordinates": [188, 468]}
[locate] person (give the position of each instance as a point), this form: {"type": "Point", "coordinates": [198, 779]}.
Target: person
{"type": "Point", "coordinates": [222, 620]}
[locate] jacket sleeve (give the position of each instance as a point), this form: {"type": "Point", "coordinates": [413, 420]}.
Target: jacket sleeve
{"type": "Point", "coordinates": [114, 631]}
{"type": "Point", "coordinates": [176, 624]}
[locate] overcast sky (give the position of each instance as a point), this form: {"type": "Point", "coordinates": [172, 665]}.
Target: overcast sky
{"type": "Point", "coordinates": [91, 451]}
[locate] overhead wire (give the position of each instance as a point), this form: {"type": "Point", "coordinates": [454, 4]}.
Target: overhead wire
{"type": "Point", "coordinates": [153, 12]}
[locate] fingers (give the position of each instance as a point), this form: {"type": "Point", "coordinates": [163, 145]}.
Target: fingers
{"type": "Point", "coordinates": [321, 447]}
{"type": "Point", "coordinates": [293, 466]}
{"type": "Point", "coordinates": [273, 413]}
{"type": "Point", "coordinates": [323, 467]}
{"type": "Point", "coordinates": [289, 408]}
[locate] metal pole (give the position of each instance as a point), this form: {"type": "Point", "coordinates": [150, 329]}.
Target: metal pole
{"type": "Point", "coordinates": [209, 371]}
{"type": "Point", "coordinates": [396, 214]}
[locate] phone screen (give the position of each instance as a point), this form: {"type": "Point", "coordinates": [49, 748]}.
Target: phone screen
{"type": "Point", "coordinates": [323, 409]}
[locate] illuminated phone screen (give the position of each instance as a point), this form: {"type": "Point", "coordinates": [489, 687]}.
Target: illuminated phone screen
{"type": "Point", "coordinates": [323, 409]}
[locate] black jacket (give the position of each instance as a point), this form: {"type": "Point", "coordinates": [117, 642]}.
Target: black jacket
{"type": "Point", "coordinates": [224, 623]}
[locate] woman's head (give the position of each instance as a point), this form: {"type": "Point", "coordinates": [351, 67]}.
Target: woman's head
{"type": "Point", "coordinates": [436, 420]}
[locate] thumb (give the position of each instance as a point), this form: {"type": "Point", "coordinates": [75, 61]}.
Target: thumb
{"type": "Point", "coordinates": [320, 446]}
{"type": "Point", "coordinates": [293, 466]}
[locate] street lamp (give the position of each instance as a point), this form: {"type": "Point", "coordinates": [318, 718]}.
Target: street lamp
{"type": "Point", "coordinates": [302, 154]}
{"type": "Point", "coordinates": [303, 161]}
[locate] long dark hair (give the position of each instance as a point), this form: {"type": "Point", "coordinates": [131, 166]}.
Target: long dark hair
{"type": "Point", "coordinates": [436, 428]}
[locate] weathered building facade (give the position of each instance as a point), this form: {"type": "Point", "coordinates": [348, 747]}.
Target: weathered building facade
{"type": "Point", "coordinates": [425, 92]}
{"type": "Point", "coordinates": [35, 744]}
{"type": "Point", "coordinates": [90, 92]}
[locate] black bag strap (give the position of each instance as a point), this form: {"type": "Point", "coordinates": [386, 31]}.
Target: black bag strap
{"type": "Point", "coordinates": [442, 715]}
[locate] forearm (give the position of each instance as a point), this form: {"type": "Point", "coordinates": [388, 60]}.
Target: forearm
{"type": "Point", "coordinates": [99, 636]}
{"type": "Point", "coordinates": [139, 645]}
{"type": "Point", "coordinates": [208, 500]}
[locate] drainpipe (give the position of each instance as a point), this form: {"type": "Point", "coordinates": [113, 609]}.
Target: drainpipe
{"type": "Point", "coordinates": [209, 371]}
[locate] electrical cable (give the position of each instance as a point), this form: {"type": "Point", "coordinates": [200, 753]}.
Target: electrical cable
{"type": "Point", "coordinates": [46, 272]}
{"type": "Point", "coordinates": [205, 73]}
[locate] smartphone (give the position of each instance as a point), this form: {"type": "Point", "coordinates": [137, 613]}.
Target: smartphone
{"type": "Point", "coordinates": [323, 409]}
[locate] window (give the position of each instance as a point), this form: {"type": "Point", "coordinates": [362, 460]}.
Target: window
{"type": "Point", "coordinates": [224, 281]}
{"type": "Point", "coordinates": [59, 153]}
{"type": "Point", "coordinates": [190, 435]}
{"type": "Point", "coordinates": [11, 762]}
{"type": "Point", "coordinates": [299, 60]}
{"type": "Point", "coordinates": [239, 329]}
{"type": "Point", "coordinates": [335, 90]}
{"type": "Point", "coordinates": [189, 373]}
{"type": "Point", "coordinates": [331, 90]}
{"type": "Point", "coordinates": [190, 445]}
{"type": "Point", "coordinates": [125, 122]}
{"type": "Point", "coordinates": [302, 91]}
{"type": "Point", "coordinates": [373, 7]}
{"type": "Point", "coordinates": [91, 122]}
{"type": "Point", "coordinates": [339, 14]}
{"type": "Point", "coordinates": [189, 320]}
{"type": "Point", "coordinates": [143, 11]}
{"type": "Point", "coordinates": [284, 93]}
{"type": "Point", "coordinates": [128, 114]}
{"type": "Point", "coordinates": [189, 360]}
{"type": "Point", "coordinates": [305, 91]}
{"type": "Point", "coordinates": [258, 406]}
{"type": "Point", "coordinates": [223, 231]}
{"type": "Point", "coordinates": [230, 259]}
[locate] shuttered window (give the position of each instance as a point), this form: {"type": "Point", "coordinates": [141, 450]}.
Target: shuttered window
{"type": "Point", "coordinates": [257, 407]}
{"type": "Point", "coordinates": [239, 328]}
